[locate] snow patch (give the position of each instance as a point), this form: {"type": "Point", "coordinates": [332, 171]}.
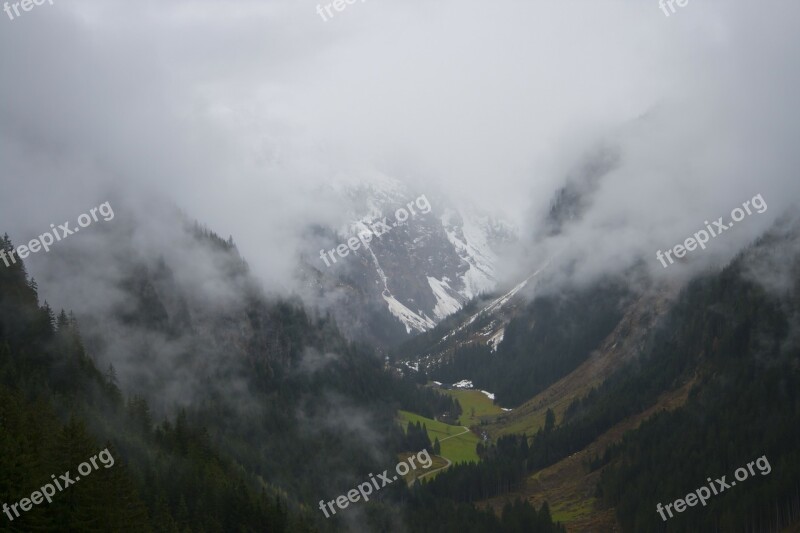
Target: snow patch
{"type": "Point", "coordinates": [488, 394]}
{"type": "Point", "coordinates": [409, 318]}
{"type": "Point", "coordinates": [463, 384]}
{"type": "Point", "coordinates": [498, 302]}
{"type": "Point", "coordinates": [446, 303]}
{"type": "Point", "coordinates": [470, 243]}
{"type": "Point", "coordinates": [496, 339]}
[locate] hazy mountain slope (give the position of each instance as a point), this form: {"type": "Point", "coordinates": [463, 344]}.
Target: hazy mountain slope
{"type": "Point", "coordinates": [58, 410]}
{"type": "Point", "coordinates": [623, 345]}
{"type": "Point", "coordinates": [731, 339]}
{"type": "Point", "coordinates": [545, 341]}
{"type": "Point", "coordinates": [208, 340]}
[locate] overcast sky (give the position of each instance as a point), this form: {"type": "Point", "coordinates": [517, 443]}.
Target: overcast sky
{"type": "Point", "coordinates": [240, 112]}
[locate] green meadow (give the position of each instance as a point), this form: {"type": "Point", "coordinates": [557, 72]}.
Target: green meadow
{"type": "Point", "coordinates": [459, 449]}
{"type": "Point", "coordinates": [474, 405]}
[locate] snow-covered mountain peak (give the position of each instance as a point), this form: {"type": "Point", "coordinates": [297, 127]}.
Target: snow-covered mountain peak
{"type": "Point", "coordinates": [422, 269]}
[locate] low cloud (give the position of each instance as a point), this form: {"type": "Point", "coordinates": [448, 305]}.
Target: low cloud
{"type": "Point", "coordinates": [253, 117]}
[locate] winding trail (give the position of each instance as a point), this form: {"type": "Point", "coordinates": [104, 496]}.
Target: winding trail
{"type": "Point", "coordinates": [466, 430]}
{"type": "Point", "coordinates": [449, 462]}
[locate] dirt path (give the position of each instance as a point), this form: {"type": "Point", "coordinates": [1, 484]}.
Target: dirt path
{"type": "Point", "coordinates": [466, 430]}
{"type": "Point", "coordinates": [449, 462]}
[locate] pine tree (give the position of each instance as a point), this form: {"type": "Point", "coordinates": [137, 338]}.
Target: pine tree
{"type": "Point", "coordinates": [549, 421]}
{"type": "Point", "coordinates": [62, 323]}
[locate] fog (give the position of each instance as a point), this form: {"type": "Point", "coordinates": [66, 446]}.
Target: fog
{"type": "Point", "coordinates": [257, 117]}
{"type": "Point", "coordinates": [251, 116]}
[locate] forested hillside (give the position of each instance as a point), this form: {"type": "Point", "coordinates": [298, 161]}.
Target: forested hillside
{"type": "Point", "coordinates": [732, 336]}
{"type": "Point", "coordinates": [57, 410]}
{"type": "Point", "coordinates": [211, 465]}
{"type": "Point", "coordinates": [741, 342]}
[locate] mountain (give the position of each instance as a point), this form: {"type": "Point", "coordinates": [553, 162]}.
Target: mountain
{"type": "Point", "coordinates": [490, 345]}
{"type": "Point", "coordinates": [413, 273]}
{"type": "Point", "coordinates": [628, 394]}
{"type": "Point", "coordinates": [610, 384]}
{"type": "Point", "coordinates": [575, 197]}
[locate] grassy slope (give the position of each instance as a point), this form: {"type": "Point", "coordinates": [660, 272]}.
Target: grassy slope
{"type": "Point", "coordinates": [569, 487]}
{"type": "Point", "coordinates": [458, 449]}
{"type": "Point", "coordinates": [473, 399]}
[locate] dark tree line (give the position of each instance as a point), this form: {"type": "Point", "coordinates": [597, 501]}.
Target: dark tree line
{"type": "Point", "coordinates": [516, 517]}
{"type": "Point", "coordinates": [417, 438]}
